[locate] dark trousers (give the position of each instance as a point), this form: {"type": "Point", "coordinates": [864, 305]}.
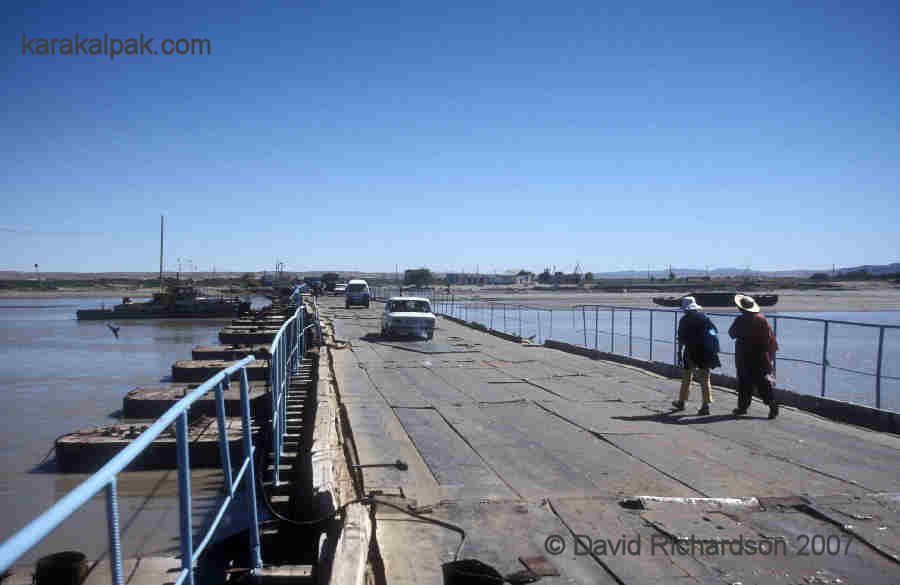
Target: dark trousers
{"type": "Point", "coordinates": [751, 373]}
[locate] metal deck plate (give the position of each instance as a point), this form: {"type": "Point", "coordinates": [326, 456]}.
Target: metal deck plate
{"type": "Point", "coordinates": [428, 347]}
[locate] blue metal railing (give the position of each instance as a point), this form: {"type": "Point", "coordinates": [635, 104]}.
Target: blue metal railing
{"type": "Point", "coordinates": [286, 352]}
{"type": "Point", "coordinates": [628, 325]}
{"type": "Point", "coordinates": [105, 478]}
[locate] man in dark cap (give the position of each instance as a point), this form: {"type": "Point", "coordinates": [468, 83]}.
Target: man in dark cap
{"type": "Point", "coordinates": [754, 351]}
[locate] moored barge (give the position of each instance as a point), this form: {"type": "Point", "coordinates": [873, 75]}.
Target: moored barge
{"type": "Point", "coordinates": [715, 299]}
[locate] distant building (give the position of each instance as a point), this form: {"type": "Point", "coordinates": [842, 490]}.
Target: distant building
{"type": "Point", "coordinates": [511, 277]}
{"type": "Point", "coordinates": [462, 278]}
{"type": "Point", "coordinates": [576, 278]}
{"type": "Point", "coordinates": [502, 279]}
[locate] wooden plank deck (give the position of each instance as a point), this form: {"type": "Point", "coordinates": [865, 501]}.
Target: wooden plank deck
{"type": "Point", "coordinates": [516, 444]}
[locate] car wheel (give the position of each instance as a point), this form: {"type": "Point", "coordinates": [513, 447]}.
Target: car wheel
{"type": "Point", "coordinates": [346, 305]}
{"type": "Point", "coordinates": [430, 335]}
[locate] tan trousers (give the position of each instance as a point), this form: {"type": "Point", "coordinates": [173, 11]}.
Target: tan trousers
{"type": "Point", "coordinates": [688, 377]}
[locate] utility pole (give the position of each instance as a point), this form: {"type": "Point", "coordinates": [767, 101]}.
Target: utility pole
{"type": "Point", "coordinates": [38, 272]}
{"type": "Point", "coordinates": [161, 253]}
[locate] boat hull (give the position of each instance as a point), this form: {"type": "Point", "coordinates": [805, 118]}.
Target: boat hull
{"type": "Point", "coordinates": [715, 299]}
{"type": "Point", "coordinates": [109, 314]}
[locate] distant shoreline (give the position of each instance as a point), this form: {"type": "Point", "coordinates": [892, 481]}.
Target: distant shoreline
{"type": "Point", "coordinates": [91, 292]}
{"type": "Point", "coordinates": [866, 297]}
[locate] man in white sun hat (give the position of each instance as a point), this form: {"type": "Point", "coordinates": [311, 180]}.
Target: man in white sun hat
{"type": "Point", "coordinates": [754, 351]}
{"type": "Point", "coordinates": [699, 339]}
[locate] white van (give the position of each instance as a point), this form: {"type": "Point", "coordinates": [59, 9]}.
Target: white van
{"type": "Point", "coordinates": [357, 293]}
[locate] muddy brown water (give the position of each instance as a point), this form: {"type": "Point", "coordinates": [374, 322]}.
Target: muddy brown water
{"type": "Point", "coordinates": [58, 375]}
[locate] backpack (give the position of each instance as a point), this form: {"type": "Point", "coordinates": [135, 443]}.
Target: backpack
{"type": "Point", "coordinates": [711, 339]}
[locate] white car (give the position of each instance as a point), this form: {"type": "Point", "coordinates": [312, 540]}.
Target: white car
{"type": "Point", "coordinates": [340, 288]}
{"type": "Point", "coordinates": [357, 293]}
{"type": "Point", "coordinates": [408, 316]}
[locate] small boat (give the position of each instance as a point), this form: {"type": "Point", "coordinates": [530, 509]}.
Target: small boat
{"type": "Point", "coordinates": [176, 300]}
{"type": "Point", "coordinates": [179, 301]}
{"type": "Point", "coordinates": [715, 299]}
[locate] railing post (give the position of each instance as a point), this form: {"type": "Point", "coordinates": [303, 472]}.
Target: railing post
{"type": "Point", "coordinates": [184, 496]}
{"type": "Point", "coordinates": [538, 325]}
{"type": "Point", "coordinates": [115, 542]}
{"type": "Point", "coordinates": [612, 330]}
{"type": "Point", "coordinates": [224, 452]}
{"type": "Point", "coordinates": [250, 480]}
{"type": "Point", "coordinates": [824, 357]}
{"type": "Point", "coordinates": [774, 355]}
{"type": "Point", "coordinates": [878, 368]}
{"type": "Point", "coordinates": [520, 321]}
{"type": "Point", "coordinates": [629, 331]}
{"type": "Point", "coordinates": [504, 317]}
{"type": "Point", "coordinates": [651, 335]}
{"type": "Point", "coordinates": [276, 409]}
{"type": "Point", "coordinates": [551, 323]}
{"type": "Point", "coordinates": [597, 328]}
{"type": "Point", "coordinates": [492, 316]}
{"type": "Point", "coordinates": [675, 339]}
{"type": "Point", "coordinates": [584, 325]}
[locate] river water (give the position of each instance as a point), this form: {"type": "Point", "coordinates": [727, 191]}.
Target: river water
{"type": "Point", "coordinates": [58, 375]}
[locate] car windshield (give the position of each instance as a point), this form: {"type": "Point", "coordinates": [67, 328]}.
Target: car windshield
{"type": "Point", "coordinates": [410, 307]}
{"type": "Point", "coordinates": [356, 288]}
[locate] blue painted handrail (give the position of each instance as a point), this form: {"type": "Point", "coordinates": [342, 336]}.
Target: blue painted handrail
{"type": "Point", "coordinates": [286, 351]}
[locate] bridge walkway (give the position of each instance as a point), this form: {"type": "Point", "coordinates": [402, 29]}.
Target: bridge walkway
{"type": "Point", "coordinates": [525, 447]}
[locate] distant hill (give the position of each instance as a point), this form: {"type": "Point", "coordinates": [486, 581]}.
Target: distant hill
{"type": "Point", "coordinates": [713, 272]}
{"type": "Point", "coordinates": [874, 269]}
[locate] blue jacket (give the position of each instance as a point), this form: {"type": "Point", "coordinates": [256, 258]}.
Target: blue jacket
{"type": "Point", "coordinates": [699, 336]}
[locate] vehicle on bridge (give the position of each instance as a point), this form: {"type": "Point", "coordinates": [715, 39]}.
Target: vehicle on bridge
{"type": "Point", "coordinates": [357, 293]}
{"type": "Point", "coordinates": [408, 316]}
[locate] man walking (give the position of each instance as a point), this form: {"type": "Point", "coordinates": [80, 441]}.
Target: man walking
{"type": "Point", "coordinates": [754, 350]}
{"type": "Point", "coordinates": [698, 336]}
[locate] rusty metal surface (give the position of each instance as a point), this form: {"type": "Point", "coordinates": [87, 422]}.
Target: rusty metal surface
{"type": "Point", "coordinates": [540, 566]}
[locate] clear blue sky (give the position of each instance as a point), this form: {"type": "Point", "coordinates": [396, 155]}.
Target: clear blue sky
{"type": "Point", "coordinates": [454, 135]}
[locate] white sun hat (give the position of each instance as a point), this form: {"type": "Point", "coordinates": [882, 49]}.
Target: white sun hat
{"type": "Point", "coordinates": [689, 304]}
{"type": "Point", "coordinates": [746, 303]}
